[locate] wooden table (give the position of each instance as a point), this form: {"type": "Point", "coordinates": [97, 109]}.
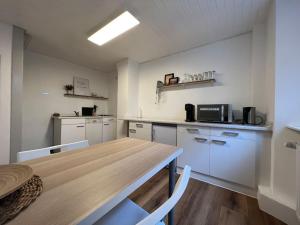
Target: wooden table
{"type": "Point", "coordinates": [83, 185]}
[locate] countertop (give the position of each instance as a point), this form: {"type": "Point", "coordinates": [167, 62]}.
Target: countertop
{"type": "Point", "coordinates": [267, 127]}
{"type": "Point", "coordinates": [81, 117]}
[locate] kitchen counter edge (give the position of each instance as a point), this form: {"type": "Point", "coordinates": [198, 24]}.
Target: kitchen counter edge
{"type": "Point", "coordinates": [267, 127]}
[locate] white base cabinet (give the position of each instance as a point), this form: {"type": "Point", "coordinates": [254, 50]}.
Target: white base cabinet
{"type": "Point", "coordinates": [233, 160]}
{"type": "Point", "coordinates": [196, 149]}
{"type": "Point", "coordinates": [109, 129]}
{"type": "Point", "coordinates": [225, 154]}
{"type": "Point", "coordinates": [68, 131]}
{"type": "Point", "coordinates": [93, 131]}
{"type": "Point", "coordinates": [140, 130]}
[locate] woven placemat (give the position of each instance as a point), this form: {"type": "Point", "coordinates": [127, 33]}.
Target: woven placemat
{"type": "Point", "coordinates": [12, 205]}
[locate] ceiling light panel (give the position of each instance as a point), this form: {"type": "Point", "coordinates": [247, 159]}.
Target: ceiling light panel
{"type": "Point", "coordinates": [116, 27]}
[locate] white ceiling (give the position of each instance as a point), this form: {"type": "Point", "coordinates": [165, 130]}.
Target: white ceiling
{"type": "Point", "coordinates": [60, 28]}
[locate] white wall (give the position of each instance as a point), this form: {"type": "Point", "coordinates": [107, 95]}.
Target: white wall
{"type": "Point", "coordinates": [5, 90]}
{"type": "Point", "coordinates": [258, 90]}
{"type": "Point", "coordinates": [43, 74]}
{"type": "Point", "coordinates": [283, 105]}
{"type": "Point", "coordinates": [231, 59]}
{"type": "Point", "coordinates": [287, 96]}
{"type": "Point", "coordinates": [128, 83]}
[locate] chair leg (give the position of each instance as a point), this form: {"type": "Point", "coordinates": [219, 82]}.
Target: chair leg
{"type": "Point", "coordinates": [172, 170]}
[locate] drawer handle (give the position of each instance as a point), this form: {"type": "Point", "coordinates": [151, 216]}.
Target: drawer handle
{"type": "Point", "coordinates": [218, 142]}
{"type": "Point", "coordinates": [132, 131]}
{"type": "Point", "coordinates": [230, 134]}
{"type": "Point", "coordinates": [200, 139]}
{"type": "Point", "coordinates": [106, 124]}
{"type": "Point", "coordinates": [192, 130]}
{"type": "Point", "coordinates": [138, 125]}
{"type": "Point", "coordinates": [80, 126]}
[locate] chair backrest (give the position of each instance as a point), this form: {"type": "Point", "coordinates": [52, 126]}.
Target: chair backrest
{"type": "Point", "coordinates": [37, 153]}
{"type": "Point", "coordinates": [163, 210]}
{"type": "Point", "coordinates": [74, 146]}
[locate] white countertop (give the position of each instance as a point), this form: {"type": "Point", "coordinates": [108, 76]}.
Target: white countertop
{"type": "Point", "coordinates": [81, 117]}
{"type": "Point", "coordinates": [267, 127]}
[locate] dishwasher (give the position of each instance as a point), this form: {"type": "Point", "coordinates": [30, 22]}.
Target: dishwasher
{"type": "Point", "coordinates": [164, 134]}
{"type": "Point", "coordinates": [93, 131]}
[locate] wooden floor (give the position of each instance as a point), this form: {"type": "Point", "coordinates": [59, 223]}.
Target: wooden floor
{"type": "Point", "coordinates": [203, 204]}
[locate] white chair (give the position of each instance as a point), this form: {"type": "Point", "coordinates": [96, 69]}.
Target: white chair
{"type": "Point", "coordinates": [37, 153]}
{"type": "Point", "coordinates": [129, 213]}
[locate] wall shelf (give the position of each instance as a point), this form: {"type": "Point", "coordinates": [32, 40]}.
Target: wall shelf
{"type": "Point", "coordinates": [85, 96]}
{"type": "Point", "coordinates": [187, 84]}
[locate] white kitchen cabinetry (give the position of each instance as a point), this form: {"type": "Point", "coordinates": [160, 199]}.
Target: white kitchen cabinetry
{"type": "Point", "coordinates": [68, 131]}
{"type": "Point", "coordinates": [94, 131]}
{"type": "Point", "coordinates": [164, 134]}
{"type": "Point", "coordinates": [195, 144]}
{"type": "Point", "coordinates": [140, 130]}
{"type": "Point", "coordinates": [227, 154]}
{"type": "Point", "coordinates": [109, 129]}
{"type": "Point", "coordinates": [233, 159]}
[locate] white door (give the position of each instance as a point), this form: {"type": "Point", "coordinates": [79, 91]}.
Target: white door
{"type": "Point", "coordinates": [233, 160]}
{"type": "Point", "coordinates": [94, 131]}
{"type": "Point", "coordinates": [109, 129]}
{"type": "Point", "coordinates": [195, 150]}
{"type": "Point", "coordinates": [72, 133]}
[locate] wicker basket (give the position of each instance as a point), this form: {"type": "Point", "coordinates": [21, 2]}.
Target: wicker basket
{"type": "Point", "coordinates": [14, 203]}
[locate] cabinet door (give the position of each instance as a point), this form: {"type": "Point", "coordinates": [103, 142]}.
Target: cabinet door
{"type": "Point", "coordinates": [195, 150]}
{"type": "Point", "coordinates": [72, 133]}
{"type": "Point", "coordinates": [93, 131]}
{"type": "Point", "coordinates": [233, 159]}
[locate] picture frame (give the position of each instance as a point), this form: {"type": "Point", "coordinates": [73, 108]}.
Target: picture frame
{"type": "Point", "coordinates": [168, 77]}
{"type": "Point", "coordinates": [81, 86]}
{"type": "Point", "coordinates": [174, 80]}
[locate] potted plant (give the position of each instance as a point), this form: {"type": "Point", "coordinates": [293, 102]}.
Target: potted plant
{"type": "Point", "coordinates": [68, 88]}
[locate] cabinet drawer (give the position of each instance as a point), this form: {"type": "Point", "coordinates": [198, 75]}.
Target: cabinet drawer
{"type": "Point", "coordinates": [135, 125]}
{"type": "Point", "coordinates": [140, 130]}
{"type": "Point", "coordinates": [72, 121]}
{"type": "Point", "coordinates": [233, 133]}
{"type": "Point", "coordinates": [194, 130]}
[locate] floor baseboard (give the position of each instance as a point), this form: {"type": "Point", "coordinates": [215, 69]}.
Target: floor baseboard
{"type": "Point", "coordinates": [269, 203]}
{"type": "Point", "coordinates": [223, 184]}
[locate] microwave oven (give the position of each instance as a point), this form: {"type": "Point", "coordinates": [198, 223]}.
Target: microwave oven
{"type": "Point", "coordinates": [215, 113]}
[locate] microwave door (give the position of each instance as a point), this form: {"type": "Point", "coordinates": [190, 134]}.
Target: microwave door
{"type": "Point", "coordinates": [210, 114]}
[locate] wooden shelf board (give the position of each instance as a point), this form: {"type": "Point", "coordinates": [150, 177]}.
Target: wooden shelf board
{"type": "Point", "coordinates": [165, 87]}
{"type": "Point", "coordinates": [85, 96]}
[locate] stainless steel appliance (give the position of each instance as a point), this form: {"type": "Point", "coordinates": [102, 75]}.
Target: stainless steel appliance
{"type": "Point", "coordinates": [215, 113]}
{"type": "Point", "coordinates": [249, 115]}
{"type": "Point", "coordinates": [190, 113]}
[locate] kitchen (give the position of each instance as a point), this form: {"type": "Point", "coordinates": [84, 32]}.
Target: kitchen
{"type": "Point", "coordinates": [205, 90]}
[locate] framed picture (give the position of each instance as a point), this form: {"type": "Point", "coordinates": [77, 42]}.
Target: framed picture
{"type": "Point", "coordinates": [168, 77]}
{"type": "Point", "coordinates": [81, 86]}
{"type": "Point", "coordinates": [174, 80]}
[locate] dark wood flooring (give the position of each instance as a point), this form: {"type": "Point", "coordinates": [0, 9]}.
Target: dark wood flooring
{"type": "Point", "coordinates": [203, 204]}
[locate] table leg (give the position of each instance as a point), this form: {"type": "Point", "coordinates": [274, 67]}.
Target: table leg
{"type": "Point", "coordinates": [172, 171]}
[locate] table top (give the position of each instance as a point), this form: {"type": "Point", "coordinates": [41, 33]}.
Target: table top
{"type": "Point", "coordinates": [80, 183]}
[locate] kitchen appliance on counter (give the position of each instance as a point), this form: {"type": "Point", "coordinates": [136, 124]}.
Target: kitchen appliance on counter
{"type": "Point", "coordinates": [215, 113]}
{"type": "Point", "coordinates": [249, 115]}
{"type": "Point", "coordinates": [87, 111]}
{"type": "Point", "coordinates": [190, 113]}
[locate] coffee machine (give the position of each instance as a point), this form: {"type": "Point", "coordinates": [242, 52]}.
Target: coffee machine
{"type": "Point", "coordinates": [249, 115]}
{"type": "Point", "coordinates": [190, 113]}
